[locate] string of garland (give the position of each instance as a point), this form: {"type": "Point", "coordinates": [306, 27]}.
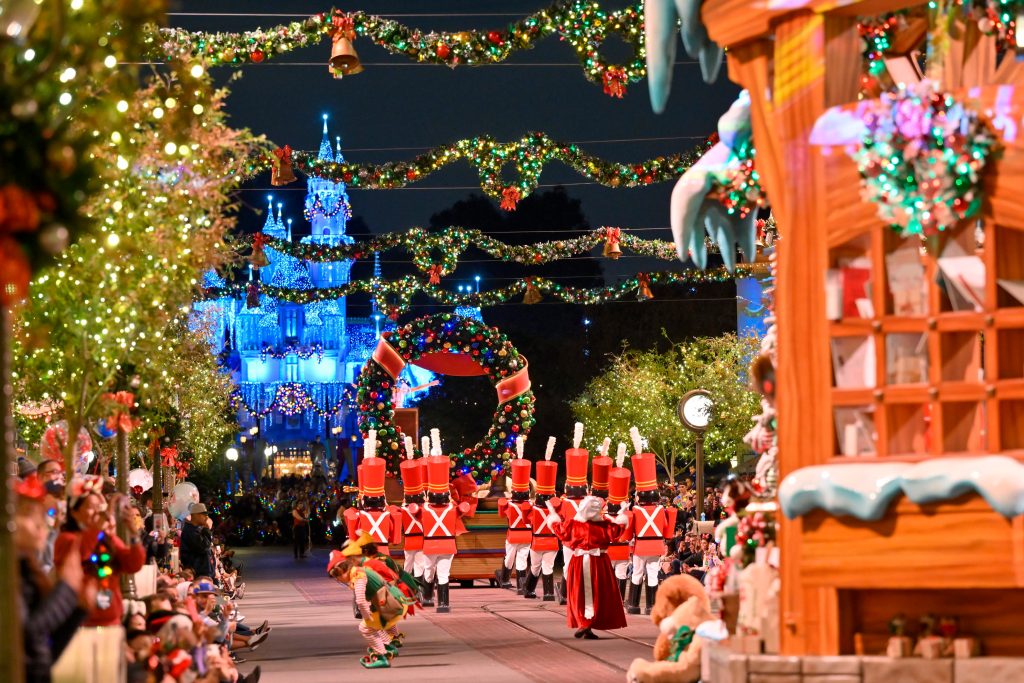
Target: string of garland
{"type": "Point", "coordinates": [395, 296]}
{"type": "Point", "coordinates": [438, 253]}
{"type": "Point", "coordinates": [528, 155]}
{"type": "Point", "coordinates": [583, 24]}
{"type": "Point", "coordinates": [301, 351]}
{"type": "Point", "coordinates": [738, 187]}
{"type": "Point", "coordinates": [291, 399]}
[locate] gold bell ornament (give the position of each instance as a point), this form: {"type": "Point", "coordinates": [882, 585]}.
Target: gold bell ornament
{"type": "Point", "coordinates": [281, 173]}
{"type": "Point", "coordinates": [612, 237]}
{"type": "Point", "coordinates": [344, 59]}
{"type": "Point", "coordinates": [532, 295]}
{"type": "Point", "coordinates": [643, 292]}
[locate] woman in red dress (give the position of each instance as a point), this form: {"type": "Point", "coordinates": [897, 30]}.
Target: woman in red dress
{"type": "Point", "coordinates": [594, 600]}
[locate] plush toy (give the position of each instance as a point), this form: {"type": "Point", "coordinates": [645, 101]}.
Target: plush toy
{"type": "Point", "coordinates": [680, 607]}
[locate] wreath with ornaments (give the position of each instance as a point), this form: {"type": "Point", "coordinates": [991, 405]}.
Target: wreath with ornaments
{"type": "Point", "coordinates": [921, 158]}
{"type": "Point", "coordinates": [448, 344]}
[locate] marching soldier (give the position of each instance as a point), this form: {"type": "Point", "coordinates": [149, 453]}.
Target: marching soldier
{"type": "Point", "coordinates": [544, 545]}
{"type": "Point", "coordinates": [520, 533]}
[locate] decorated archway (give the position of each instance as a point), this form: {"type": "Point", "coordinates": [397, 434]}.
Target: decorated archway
{"type": "Point", "coordinates": [447, 344]}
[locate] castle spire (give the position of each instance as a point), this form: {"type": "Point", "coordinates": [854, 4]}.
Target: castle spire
{"type": "Point", "coordinates": [268, 225]}
{"type": "Point", "coordinates": [325, 145]}
{"type": "Point", "coordinates": [280, 223]}
{"type": "Point", "coordinates": [338, 157]}
{"type": "Point", "coordinates": [289, 229]}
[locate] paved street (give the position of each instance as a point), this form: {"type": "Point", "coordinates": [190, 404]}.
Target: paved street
{"type": "Point", "coordinates": [491, 635]}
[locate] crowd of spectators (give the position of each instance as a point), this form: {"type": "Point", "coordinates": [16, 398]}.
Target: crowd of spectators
{"type": "Point", "coordinates": [78, 544]}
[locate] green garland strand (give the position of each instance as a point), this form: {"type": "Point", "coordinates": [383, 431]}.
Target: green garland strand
{"type": "Point", "coordinates": [528, 155]}
{"type": "Point", "coordinates": [438, 253]}
{"type": "Point", "coordinates": [395, 296]}
{"type": "Point", "coordinates": [582, 24]}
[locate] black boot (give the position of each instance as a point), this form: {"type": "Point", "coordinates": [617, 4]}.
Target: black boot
{"type": "Point", "coordinates": [530, 588]}
{"type": "Point", "coordinates": [521, 582]}
{"type": "Point", "coordinates": [634, 598]}
{"type": "Point", "coordinates": [563, 593]}
{"type": "Point", "coordinates": [549, 587]}
{"type": "Point", "coordinates": [502, 576]}
{"type": "Point", "coordinates": [622, 589]}
{"type": "Point", "coordinates": [426, 593]}
{"type": "Point", "coordinates": [651, 592]}
{"type": "Point", "coordinates": [442, 598]}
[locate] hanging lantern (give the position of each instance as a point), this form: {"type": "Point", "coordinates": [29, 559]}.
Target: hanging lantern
{"type": "Point", "coordinates": [344, 60]}
{"type": "Point", "coordinates": [532, 295]}
{"type": "Point", "coordinates": [282, 173]}
{"type": "Point", "coordinates": [612, 238]}
{"type": "Point", "coordinates": [259, 256]}
{"type": "Point", "coordinates": [643, 292]}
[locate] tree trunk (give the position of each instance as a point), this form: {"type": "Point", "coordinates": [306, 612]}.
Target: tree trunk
{"type": "Point", "coordinates": [11, 667]}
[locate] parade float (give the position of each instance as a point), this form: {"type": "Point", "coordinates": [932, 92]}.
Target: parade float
{"type": "Point", "coordinates": [900, 330]}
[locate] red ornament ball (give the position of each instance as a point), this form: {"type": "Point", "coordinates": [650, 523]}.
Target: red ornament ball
{"type": "Point", "coordinates": [257, 56]}
{"type": "Point", "coordinates": [443, 51]}
{"type": "Point", "coordinates": [494, 37]}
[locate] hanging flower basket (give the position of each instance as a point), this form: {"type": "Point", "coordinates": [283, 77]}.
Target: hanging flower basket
{"type": "Point", "coordinates": [921, 158]}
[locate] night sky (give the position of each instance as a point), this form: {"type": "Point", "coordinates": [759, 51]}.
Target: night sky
{"type": "Point", "coordinates": [395, 103]}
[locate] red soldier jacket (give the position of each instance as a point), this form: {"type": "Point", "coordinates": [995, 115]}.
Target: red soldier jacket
{"type": "Point", "coordinates": [412, 529]}
{"type": "Point", "coordinates": [384, 526]}
{"type": "Point", "coordinates": [520, 528]}
{"type": "Point", "coordinates": [440, 526]}
{"type": "Point", "coordinates": [651, 525]}
{"type": "Point", "coordinates": [619, 549]}
{"type": "Point", "coordinates": [567, 509]}
{"type": "Point", "coordinates": [544, 539]}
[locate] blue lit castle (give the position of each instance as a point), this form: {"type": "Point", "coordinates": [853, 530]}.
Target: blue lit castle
{"type": "Point", "coordinates": [295, 364]}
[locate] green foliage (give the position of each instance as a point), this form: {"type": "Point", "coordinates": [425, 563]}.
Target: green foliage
{"type": "Point", "coordinates": [643, 388]}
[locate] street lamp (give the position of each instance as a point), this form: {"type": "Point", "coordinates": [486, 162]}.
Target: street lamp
{"type": "Point", "coordinates": [694, 412]}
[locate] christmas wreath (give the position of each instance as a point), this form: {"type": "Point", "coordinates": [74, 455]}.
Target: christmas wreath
{"type": "Point", "coordinates": [921, 158]}
{"type": "Point", "coordinates": [448, 344]}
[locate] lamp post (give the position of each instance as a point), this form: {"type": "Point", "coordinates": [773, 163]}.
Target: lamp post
{"type": "Point", "coordinates": [232, 455]}
{"type": "Point", "coordinates": [694, 412]}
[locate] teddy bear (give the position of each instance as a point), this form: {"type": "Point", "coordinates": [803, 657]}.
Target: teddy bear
{"type": "Point", "coordinates": [680, 606]}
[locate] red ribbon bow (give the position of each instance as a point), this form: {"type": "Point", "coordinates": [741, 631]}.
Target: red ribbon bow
{"type": "Point", "coordinates": [435, 274]}
{"type": "Point", "coordinates": [343, 23]}
{"type": "Point", "coordinates": [259, 240]}
{"type": "Point", "coordinates": [615, 81]}
{"type": "Point", "coordinates": [169, 456]}
{"type": "Point", "coordinates": [613, 235]}
{"type": "Point", "coordinates": [510, 196]}
{"type": "Point", "coordinates": [284, 155]}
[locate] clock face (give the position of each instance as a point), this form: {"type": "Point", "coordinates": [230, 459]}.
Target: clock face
{"type": "Point", "coordinates": [697, 410]}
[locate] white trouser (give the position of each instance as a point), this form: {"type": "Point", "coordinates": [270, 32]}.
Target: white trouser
{"type": "Point", "coordinates": [650, 563]}
{"type": "Point", "coordinates": [542, 561]}
{"type": "Point", "coordinates": [621, 568]}
{"type": "Point", "coordinates": [414, 562]}
{"type": "Point", "coordinates": [439, 566]}
{"type": "Point", "coordinates": [566, 556]}
{"type": "Point", "coordinates": [518, 553]}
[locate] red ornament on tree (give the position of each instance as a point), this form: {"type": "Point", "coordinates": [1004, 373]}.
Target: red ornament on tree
{"type": "Point", "coordinates": [494, 37]}
{"type": "Point", "coordinates": [257, 56]}
{"type": "Point", "coordinates": [443, 51]}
